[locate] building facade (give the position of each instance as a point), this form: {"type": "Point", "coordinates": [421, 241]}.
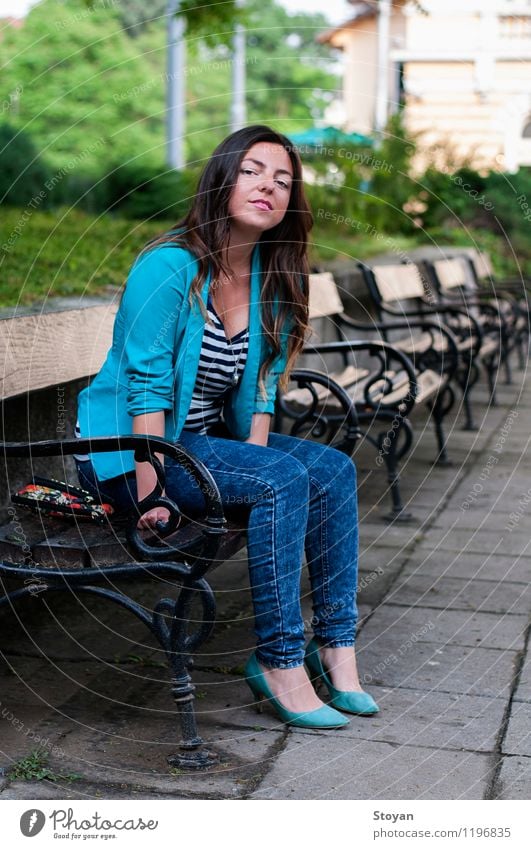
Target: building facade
{"type": "Point", "coordinates": [460, 69]}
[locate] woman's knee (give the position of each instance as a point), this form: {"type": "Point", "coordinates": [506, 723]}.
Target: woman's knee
{"type": "Point", "coordinates": [288, 476]}
{"type": "Point", "coordinates": [334, 468]}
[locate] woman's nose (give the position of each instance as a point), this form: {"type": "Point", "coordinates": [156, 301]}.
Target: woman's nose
{"type": "Point", "coordinates": [266, 183]}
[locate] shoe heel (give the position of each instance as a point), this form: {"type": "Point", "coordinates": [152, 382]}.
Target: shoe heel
{"type": "Point", "coordinates": [259, 699]}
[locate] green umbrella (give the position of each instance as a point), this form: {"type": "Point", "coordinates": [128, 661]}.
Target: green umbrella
{"type": "Point", "coordinates": [322, 136]}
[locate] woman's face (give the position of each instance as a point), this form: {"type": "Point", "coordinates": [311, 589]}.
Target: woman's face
{"type": "Point", "coordinates": [261, 195]}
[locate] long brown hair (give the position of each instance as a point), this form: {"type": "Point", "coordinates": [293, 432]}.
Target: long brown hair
{"type": "Point", "coordinates": [283, 249]}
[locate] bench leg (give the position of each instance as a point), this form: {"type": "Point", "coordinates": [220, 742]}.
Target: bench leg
{"type": "Point", "coordinates": [388, 451]}
{"type": "Point", "coordinates": [441, 407]}
{"type": "Point", "coordinates": [173, 638]}
{"type": "Point", "coordinates": [507, 365]}
{"type": "Point", "coordinates": [491, 367]}
{"type": "Point", "coordinates": [467, 379]}
{"type": "Point", "coordinates": [178, 644]}
{"type": "Point", "coordinates": [520, 352]}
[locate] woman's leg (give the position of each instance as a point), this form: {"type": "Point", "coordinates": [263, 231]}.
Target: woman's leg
{"type": "Point", "coordinates": [331, 553]}
{"type": "Point", "coordinates": [273, 488]}
{"type": "Point", "coordinates": [331, 537]}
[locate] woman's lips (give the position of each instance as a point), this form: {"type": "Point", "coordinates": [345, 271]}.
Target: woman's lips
{"type": "Point", "coordinates": [262, 204]}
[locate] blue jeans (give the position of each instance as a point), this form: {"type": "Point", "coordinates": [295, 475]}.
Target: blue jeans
{"type": "Point", "coordinates": [301, 498]}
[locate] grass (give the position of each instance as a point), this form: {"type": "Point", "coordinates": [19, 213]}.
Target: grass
{"type": "Point", "coordinates": [67, 253]}
{"type": "Point", "coordinates": [34, 767]}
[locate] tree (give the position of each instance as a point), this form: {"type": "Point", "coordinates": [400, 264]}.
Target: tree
{"type": "Point", "coordinates": [91, 96]}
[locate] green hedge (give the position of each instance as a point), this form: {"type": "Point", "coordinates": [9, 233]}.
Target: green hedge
{"type": "Point", "coordinates": [72, 253]}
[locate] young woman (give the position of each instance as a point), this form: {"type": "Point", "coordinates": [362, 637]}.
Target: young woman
{"type": "Point", "coordinates": [213, 315]}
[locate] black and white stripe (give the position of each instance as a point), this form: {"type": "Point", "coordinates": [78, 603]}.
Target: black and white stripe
{"type": "Point", "coordinates": [221, 366]}
{"type": "Point", "coordinates": [82, 457]}
{"type": "Point", "coordinates": [217, 372]}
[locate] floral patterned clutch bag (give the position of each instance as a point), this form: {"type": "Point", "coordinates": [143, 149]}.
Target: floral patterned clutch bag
{"type": "Point", "coordinates": [61, 500]}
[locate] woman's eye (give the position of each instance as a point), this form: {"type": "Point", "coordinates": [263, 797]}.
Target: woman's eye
{"type": "Point", "coordinates": [247, 171]}
{"type": "Point", "coordinates": [282, 184]}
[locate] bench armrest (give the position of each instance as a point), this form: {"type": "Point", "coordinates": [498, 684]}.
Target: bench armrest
{"type": "Point", "coordinates": [346, 421]}
{"type": "Point", "coordinates": [385, 354]}
{"type": "Point", "coordinates": [144, 447]}
{"type": "Point", "coordinates": [432, 327]}
{"type": "Point", "coordinates": [464, 324]}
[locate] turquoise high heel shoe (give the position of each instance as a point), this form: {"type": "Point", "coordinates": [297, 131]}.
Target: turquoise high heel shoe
{"type": "Point", "coordinates": [348, 700]}
{"type": "Point", "coordinates": [323, 717]}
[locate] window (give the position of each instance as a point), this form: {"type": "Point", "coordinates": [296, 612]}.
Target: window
{"type": "Point", "coordinates": [515, 26]}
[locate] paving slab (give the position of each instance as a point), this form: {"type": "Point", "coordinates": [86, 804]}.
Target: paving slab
{"type": "Point", "coordinates": [468, 565]}
{"type": "Point", "coordinates": [373, 585]}
{"type": "Point", "coordinates": [337, 767]}
{"type": "Point", "coordinates": [483, 503]}
{"type": "Point", "coordinates": [432, 719]}
{"type": "Point", "coordinates": [78, 790]}
{"type": "Point", "coordinates": [517, 739]}
{"type": "Point", "coordinates": [475, 519]}
{"type": "Point", "coordinates": [501, 596]}
{"type": "Point", "coordinates": [484, 542]}
{"type": "Point", "coordinates": [523, 690]}
{"type": "Point", "coordinates": [514, 780]}
{"type": "Point", "coordinates": [117, 761]}
{"type": "Point", "coordinates": [427, 666]}
{"type": "Point", "coordinates": [442, 627]}
{"type": "Point", "coordinates": [70, 627]}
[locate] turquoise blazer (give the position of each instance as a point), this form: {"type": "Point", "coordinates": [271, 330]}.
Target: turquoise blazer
{"type": "Point", "coordinates": [154, 357]}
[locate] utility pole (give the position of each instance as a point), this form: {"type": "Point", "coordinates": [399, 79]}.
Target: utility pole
{"type": "Point", "coordinates": [175, 88]}
{"type": "Point", "coordinates": [238, 106]}
{"type": "Point", "coordinates": [382, 69]}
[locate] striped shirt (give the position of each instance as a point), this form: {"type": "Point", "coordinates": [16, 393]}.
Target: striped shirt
{"type": "Point", "coordinates": [221, 366]}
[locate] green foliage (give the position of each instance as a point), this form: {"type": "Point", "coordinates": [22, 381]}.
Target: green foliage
{"type": "Point", "coordinates": [287, 71]}
{"type": "Point", "coordinates": [86, 89]}
{"type": "Point", "coordinates": [495, 205]}
{"type": "Point", "coordinates": [66, 253]}
{"type": "Point", "coordinates": [34, 767]}
{"type": "Point", "coordinates": [90, 97]}
{"type": "Point", "coordinates": [136, 15]}
{"type": "Point", "coordinates": [145, 192]}
{"type": "Point", "coordinates": [213, 22]}
{"type": "Point", "coordinates": [391, 182]}
{"type": "Point", "coordinates": [23, 173]}
{"type": "Point", "coordinates": [362, 188]}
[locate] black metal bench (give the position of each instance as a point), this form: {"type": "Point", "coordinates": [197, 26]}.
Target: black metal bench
{"type": "Point", "coordinates": [385, 383]}
{"type": "Point", "coordinates": [401, 292]}
{"type": "Point", "coordinates": [44, 555]}
{"type": "Point", "coordinates": [454, 283]}
{"type": "Point", "coordinates": [513, 291]}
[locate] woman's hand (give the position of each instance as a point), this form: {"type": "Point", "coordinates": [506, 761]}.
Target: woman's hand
{"type": "Point", "coordinates": [148, 521]}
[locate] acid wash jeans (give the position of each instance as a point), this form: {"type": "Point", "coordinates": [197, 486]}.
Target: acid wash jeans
{"type": "Point", "coordinates": [301, 498]}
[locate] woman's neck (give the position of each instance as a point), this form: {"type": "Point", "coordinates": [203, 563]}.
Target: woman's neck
{"type": "Point", "coordinates": [239, 251]}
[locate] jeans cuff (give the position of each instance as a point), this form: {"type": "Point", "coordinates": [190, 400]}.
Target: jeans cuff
{"type": "Point", "coordinates": [331, 643]}
{"type": "Point", "coordinates": [278, 664]}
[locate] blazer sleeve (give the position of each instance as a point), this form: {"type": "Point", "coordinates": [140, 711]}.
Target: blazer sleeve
{"type": "Point", "coordinates": [277, 367]}
{"type": "Point", "coordinates": [150, 308]}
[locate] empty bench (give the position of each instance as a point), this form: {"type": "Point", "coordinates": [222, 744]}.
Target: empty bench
{"type": "Point", "coordinates": [401, 291]}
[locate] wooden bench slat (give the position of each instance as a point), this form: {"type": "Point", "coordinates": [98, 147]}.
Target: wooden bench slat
{"type": "Point", "coordinates": [20, 536]}
{"type": "Point", "coordinates": [451, 273]}
{"type": "Point", "coordinates": [345, 378]}
{"type": "Point", "coordinates": [324, 297]}
{"type": "Point", "coordinates": [53, 347]}
{"type": "Point", "coordinates": [398, 282]}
